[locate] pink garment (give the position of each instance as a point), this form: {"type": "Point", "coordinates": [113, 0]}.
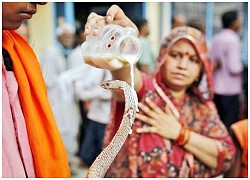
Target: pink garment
{"type": "Point", "coordinates": [226, 48]}
{"type": "Point", "coordinates": [19, 161]}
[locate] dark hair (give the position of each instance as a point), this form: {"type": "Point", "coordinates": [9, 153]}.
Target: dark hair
{"type": "Point", "coordinates": [228, 18]}
{"type": "Point", "coordinates": [172, 20]}
{"type": "Point", "coordinates": [140, 23]}
{"type": "Point", "coordinates": [195, 23]}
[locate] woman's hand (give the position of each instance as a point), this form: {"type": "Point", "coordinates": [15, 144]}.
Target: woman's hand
{"type": "Point", "coordinates": [94, 24]}
{"type": "Point", "coordinates": [114, 15]}
{"type": "Point", "coordinates": [161, 122]}
{"type": "Point", "coordinates": [216, 65]}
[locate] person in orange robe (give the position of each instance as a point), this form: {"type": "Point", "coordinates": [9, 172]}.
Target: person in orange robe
{"type": "Point", "coordinates": [32, 145]}
{"type": "Point", "coordinates": [239, 133]}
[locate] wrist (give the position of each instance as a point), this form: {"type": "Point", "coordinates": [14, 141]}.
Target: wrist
{"type": "Point", "coordinates": [183, 137]}
{"type": "Point", "coordinates": [178, 132]}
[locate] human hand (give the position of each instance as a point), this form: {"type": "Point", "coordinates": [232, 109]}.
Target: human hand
{"type": "Point", "coordinates": [216, 65]}
{"type": "Point", "coordinates": [161, 122]}
{"type": "Point", "coordinates": [86, 105]}
{"type": "Point", "coordinates": [114, 15]}
{"type": "Point", "coordinates": [94, 24]}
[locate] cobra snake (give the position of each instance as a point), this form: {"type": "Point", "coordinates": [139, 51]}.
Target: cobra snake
{"type": "Point", "coordinates": [103, 161]}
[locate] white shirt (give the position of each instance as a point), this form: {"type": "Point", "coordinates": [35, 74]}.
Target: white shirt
{"type": "Point", "coordinates": [88, 87]}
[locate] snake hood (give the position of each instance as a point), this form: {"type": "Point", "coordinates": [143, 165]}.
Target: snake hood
{"type": "Point", "coordinates": [204, 87]}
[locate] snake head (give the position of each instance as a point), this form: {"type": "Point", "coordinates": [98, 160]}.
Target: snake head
{"type": "Point", "coordinates": [111, 84]}
{"type": "Point", "coordinates": [107, 84]}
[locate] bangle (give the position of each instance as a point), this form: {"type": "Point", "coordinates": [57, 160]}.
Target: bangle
{"type": "Point", "coordinates": [181, 135]}
{"type": "Point", "coordinates": [186, 139]}
{"type": "Point", "coordinates": [184, 136]}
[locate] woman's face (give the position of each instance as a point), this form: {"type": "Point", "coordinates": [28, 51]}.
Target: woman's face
{"type": "Point", "coordinates": [182, 66]}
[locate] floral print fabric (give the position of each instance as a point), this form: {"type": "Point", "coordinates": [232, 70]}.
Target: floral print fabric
{"type": "Point", "coordinates": [149, 155]}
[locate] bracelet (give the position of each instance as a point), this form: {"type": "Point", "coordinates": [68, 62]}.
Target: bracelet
{"type": "Point", "coordinates": [184, 136]}
{"type": "Point", "coordinates": [181, 135]}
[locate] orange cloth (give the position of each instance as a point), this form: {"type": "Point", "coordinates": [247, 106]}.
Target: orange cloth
{"type": "Point", "coordinates": [49, 154]}
{"type": "Point", "coordinates": [240, 130]}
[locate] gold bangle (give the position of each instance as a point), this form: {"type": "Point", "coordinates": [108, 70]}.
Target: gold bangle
{"type": "Point", "coordinates": [187, 136]}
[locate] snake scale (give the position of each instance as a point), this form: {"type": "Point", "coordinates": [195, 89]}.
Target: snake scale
{"type": "Point", "coordinates": [103, 161]}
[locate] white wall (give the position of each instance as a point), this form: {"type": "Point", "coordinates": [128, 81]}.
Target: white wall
{"type": "Point", "coordinates": [165, 19]}
{"type": "Point", "coordinates": [152, 10]}
{"type": "Point", "coordinates": [158, 15]}
{"type": "Point", "coordinates": [41, 28]}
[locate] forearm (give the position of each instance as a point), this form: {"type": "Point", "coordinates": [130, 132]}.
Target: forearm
{"type": "Point", "coordinates": [203, 148]}
{"type": "Point", "coordinates": [123, 74]}
{"type": "Point", "coordinates": [144, 68]}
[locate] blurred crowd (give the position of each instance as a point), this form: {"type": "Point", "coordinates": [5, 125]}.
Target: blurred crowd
{"type": "Point", "coordinates": [82, 109]}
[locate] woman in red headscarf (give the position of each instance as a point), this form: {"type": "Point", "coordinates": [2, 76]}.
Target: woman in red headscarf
{"type": "Point", "coordinates": [177, 132]}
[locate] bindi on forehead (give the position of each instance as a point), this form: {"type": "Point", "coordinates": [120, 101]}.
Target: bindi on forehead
{"type": "Point", "coordinates": [184, 50]}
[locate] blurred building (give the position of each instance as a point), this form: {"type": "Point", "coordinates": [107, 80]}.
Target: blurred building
{"type": "Point", "coordinates": [159, 14]}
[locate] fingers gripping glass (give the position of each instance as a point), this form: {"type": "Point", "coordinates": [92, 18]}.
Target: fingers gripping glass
{"type": "Point", "coordinates": [113, 42]}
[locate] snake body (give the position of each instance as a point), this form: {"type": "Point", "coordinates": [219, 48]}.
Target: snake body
{"type": "Point", "coordinates": [103, 161]}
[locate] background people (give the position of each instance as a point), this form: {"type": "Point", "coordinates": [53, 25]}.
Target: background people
{"type": "Point", "coordinates": [244, 58]}
{"type": "Point", "coordinates": [96, 100]}
{"type": "Point", "coordinates": [146, 63]}
{"type": "Point", "coordinates": [77, 70]}
{"type": "Point", "coordinates": [197, 24]}
{"type": "Point", "coordinates": [54, 62]}
{"type": "Point", "coordinates": [225, 56]}
{"type": "Point", "coordinates": [176, 124]}
{"type": "Point", "coordinates": [98, 112]}
{"type": "Point", "coordinates": [178, 20]}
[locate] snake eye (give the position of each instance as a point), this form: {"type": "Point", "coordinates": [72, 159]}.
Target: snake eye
{"type": "Point", "coordinates": [109, 45]}
{"type": "Point", "coordinates": [112, 38]}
